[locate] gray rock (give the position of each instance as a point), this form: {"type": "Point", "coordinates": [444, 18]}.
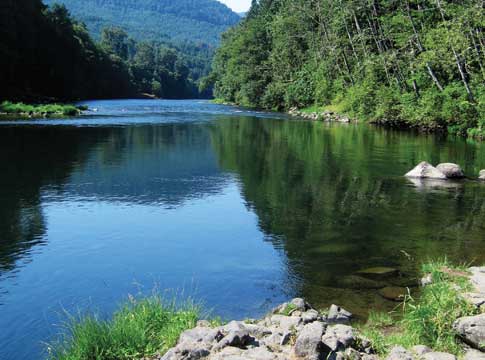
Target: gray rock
{"type": "Point", "coordinates": [399, 353]}
{"type": "Point", "coordinates": [285, 323]}
{"type": "Point", "coordinates": [238, 338]}
{"type": "Point", "coordinates": [425, 170]}
{"type": "Point", "coordinates": [308, 344]}
{"type": "Point", "coordinates": [200, 334]}
{"type": "Point", "coordinates": [186, 351]}
{"type": "Point", "coordinates": [474, 355]}
{"type": "Point", "coordinates": [351, 354]}
{"type": "Point", "coordinates": [299, 304]}
{"type": "Point", "coordinates": [338, 315]}
{"type": "Point", "coordinates": [338, 337]}
{"type": "Point", "coordinates": [477, 279]}
{"type": "Point", "coordinates": [471, 330]}
{"type": "Point", "coordinates": [481, 175]}
{"type": "Point", "coordinates": [310, 316]}
{"type": "Point", "coordinates": [477, 299]}
{"type": "Point", "coordinates": [370, 357]}
{"type": "Point", "coordinates": [451, 171]}
{"type": "Point", "coordinates": [420, 350]}
{"type": "Point", "coordinates": [438, 356]}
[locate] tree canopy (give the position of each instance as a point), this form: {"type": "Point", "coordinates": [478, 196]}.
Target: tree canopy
{"type": "Point", "coordinates": [407, 62]}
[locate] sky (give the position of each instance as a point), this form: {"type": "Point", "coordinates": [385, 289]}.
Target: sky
{"type": "Point", "coordinates": [237, 5]}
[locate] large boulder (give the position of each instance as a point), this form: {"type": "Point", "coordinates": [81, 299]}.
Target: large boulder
{"type": "Point", "coordinates": [451, 171]}
{"type": "Point", "coordinates": [425, 170]}
{"type": "Point", "coordinates": [471, 330]}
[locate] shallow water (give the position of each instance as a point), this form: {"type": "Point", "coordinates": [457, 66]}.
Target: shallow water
{"type": "Point", "coordinates": [239, 209]}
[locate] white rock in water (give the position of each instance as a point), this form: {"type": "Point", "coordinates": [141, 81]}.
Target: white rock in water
{"type": "Point", "coordinates": [481, 176]}
{"type": "Point", "coordinates": [425, 170]}
{"type": "Point", "coordinates": [451, 171]}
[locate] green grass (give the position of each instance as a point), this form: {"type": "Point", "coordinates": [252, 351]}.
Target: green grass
{"type": "Point", "coordinates": [139, 328]}
{"type": "Point", "coordinates": [11, 108]}
{"type": "Point", "coordinates": [427, 320]}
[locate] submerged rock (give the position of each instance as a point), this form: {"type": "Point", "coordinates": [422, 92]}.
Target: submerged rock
{"type": "Point", "coordinates": [360, 282]}
{"type": "Point", "coordinates": [471, 329]}
{"type": "Point", "coordinates": [425, 170]}
{"type": "Point", "coordinates": [451, 171]}
{"type": "Point", "coordinates": [379, 272]}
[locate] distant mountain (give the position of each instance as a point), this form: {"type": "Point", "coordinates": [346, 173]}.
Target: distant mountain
{"type": "Point", "coordinates": [242, 14]}
{"type": "Point", "coordinates": [178, 21]}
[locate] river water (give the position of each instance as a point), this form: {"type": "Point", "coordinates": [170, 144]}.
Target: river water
{"type": "Point", "coordinates": [239, 209]}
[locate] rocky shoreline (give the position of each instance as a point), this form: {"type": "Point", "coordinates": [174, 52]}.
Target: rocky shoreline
{"type": "Point", "coordinates": [296, 331]}
{"type": "Point", "coordinates": [326, 116]}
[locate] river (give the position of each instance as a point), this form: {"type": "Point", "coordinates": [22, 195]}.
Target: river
{"type": "Point", "coordinates": [239, 209]}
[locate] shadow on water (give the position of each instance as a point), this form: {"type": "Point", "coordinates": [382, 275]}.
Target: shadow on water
{"type": "Point", "coordinates": [334, 200]}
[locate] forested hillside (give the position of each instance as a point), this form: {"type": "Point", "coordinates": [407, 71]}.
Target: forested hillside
{"type": "Point", "coordinates": [197, 21]}
{"type": "Point", "coordinates": [45, 53]}
{"type": "Point", "coordinates": [402, 62]}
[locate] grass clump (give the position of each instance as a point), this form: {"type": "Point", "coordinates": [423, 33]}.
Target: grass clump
{"type": "Point", "coordinates": [140, 328]}
{"type": "Point", "coordinates": [46, 110]}
{"type": "Point", "coordinates": [427, 320]}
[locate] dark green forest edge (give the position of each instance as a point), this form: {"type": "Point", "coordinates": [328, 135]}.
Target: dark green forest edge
{"type": "Point", "coordinates": [405, 63]}
{"type": "Point", "coordinates": [47, 55]}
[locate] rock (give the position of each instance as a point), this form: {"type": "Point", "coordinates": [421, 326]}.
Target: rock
{"type": "Point", "coordinates": [201, 335]}
{"type": "Point", "coordinates": [477, 278]}
{"type": "Point", "coordinates": [438, 356]}
{"type": "Point", "coordinates": [399, 353]}
{"type": "Point", "coordinates": [186, 351]}
{"type": "Point", "coordinates": [308, 344]}
{"type": "Point", "coordinates": [338, 315]}
{"type": "Point", "coordinates": [481, 176]}
{"type": "Point", "coordinates": [338, 337]}
{"type": "Point", "coordinates": [359, 282]}
{"type": "Point", "coordinates": [477, 299]}
{"type": "Point", "coordinates": [379, 272]}
{"type": "Point", "coordinates": [420, 350]}
{"type": "Point", "coordinates": [235, 338]}
{"type": "Point", "coordinates": [310, 316]}
{"type": "Point", "coordinates": [299, 304]}
{"type": "Point", "coordinates": [370, 357]}
{"type": "Point", "coordinates": [451, 171]}
{"type": "Point", "coordinates": [427, 280]}
{"type": "Point", "coordinates": [393, 293]}
{"type": "Point", "coordinates": [425, 170]}
{"type": "Point", "coordinates": [203, 323]}
{"type": "Point", "coordinates": [351, 354]}
{"type": "Point", "coordinates": [285, 323]}
{"type": "Point", "coordinates": [474, 355]}
{"type": "Point", "coordinates": [471, 330]}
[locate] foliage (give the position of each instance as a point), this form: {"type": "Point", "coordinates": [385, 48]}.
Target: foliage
{"type": "Point", "coordinates": [200, 21]}
{"type": "Point", "coordinates": [47, 54]}
{"type": "Point", "coordinates": [418, 63]}
{"type": "Point", "coordinates": [140, 328]}
{"type": "Point", "coordinates": [8, 107]}
{"type": "Point", "coordinates": [427, 320]}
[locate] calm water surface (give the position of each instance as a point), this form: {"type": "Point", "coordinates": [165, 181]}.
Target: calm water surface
{"type": "Point", "coordinates": [239, 209]}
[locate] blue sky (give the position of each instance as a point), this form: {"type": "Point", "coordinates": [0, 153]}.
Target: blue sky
{"type": "Point", "coordinates": [237, 5]}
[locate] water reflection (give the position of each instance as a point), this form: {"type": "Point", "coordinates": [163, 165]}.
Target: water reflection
{"type": "Point", "coordinates": [334, 200]}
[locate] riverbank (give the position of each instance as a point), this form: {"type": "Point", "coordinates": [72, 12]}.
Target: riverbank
{"type": "Point", "coordinates": [8, 108]}
{"type": "Point", "coordinates": [445, 323]}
